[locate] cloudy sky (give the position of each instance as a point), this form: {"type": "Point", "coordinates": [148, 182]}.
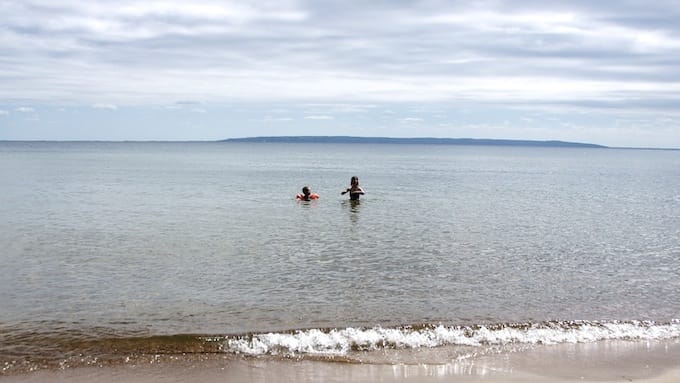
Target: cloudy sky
{"type": "Point", "coordinates": [606, 72]}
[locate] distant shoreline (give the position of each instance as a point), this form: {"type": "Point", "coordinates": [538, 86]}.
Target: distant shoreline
{"type": "Point", "coordinates": [371, 140]}
{"type": "Point", "coordinates": [414, 140]}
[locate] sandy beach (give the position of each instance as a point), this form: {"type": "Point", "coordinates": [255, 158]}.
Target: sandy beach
{"type": "Point", "coordinates": [320, 372]}
{"type": "Point", "coordinates": [621, 361]}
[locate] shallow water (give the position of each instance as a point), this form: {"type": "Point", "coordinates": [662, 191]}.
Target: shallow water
{"type": "Point", "coordinates": [114, 240]}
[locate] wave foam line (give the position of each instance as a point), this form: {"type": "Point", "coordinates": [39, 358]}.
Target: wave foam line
{"type": "Point", "coordinates": [336, 342]}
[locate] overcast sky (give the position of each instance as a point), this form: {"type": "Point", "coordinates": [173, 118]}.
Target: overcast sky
{"type": "Point", "coordinates": [605, 72]}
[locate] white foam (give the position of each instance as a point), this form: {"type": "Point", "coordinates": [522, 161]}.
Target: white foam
{"type": "Point", "coordinates": [341, 341]}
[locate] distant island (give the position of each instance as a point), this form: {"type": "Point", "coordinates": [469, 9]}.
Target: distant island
{"type": "Point", "coordinates": [414, 140]}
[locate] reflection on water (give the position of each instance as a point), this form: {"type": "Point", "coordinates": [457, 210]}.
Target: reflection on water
{"type": "Point", "coordinates": [598, 361]}
{"type": "Point", "coordinates": [353, 206]}
{"type": "Point", "coordinates": [604, 360]}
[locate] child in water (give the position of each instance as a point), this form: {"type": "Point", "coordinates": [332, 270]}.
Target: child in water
{"type": "Point", "coordinates": [306, 195]}
{"type": "Point", "coordinates": [354, 189]}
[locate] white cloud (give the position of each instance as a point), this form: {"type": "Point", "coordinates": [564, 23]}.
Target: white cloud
{"type": "Point", "coordinates": [4, 112]}
{"type": "Point", "coordinates": [343, 107]}
{"type": "Point", "coordinates": [319, 117]}
{"type": "Point", "coordinates": [277, 119]}
{"type": "Point", "coordinates": [217, 11]}
{"type": "Point", "coordinates": [409, 120]}
{"type": "Point", "coordinates": [105, 106]}
{"type": "Point", "coordinates": [130, 20]}
{"type": "Point", "coordinates": [219, 51]}
{"type": "Point", "coordinates": [24, 109]}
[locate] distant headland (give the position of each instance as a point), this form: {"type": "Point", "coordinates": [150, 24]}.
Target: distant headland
{"type": "Point", "coordinates": [414, 140]}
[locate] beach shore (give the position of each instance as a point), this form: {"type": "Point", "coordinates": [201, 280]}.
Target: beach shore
{"type": "Point", "coordinates": [313, 372]}
{"type": "Point", "coordinates": [621, 361]}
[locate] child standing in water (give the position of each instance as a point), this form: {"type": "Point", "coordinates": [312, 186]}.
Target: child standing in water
{"type": "Point", "coordinates": [354, 189]}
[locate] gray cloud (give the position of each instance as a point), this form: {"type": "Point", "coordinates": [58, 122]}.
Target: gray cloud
{"type": "Point", "coordinates": [574, 55]}
{"type": "Point", "coordinates": [378, 47]}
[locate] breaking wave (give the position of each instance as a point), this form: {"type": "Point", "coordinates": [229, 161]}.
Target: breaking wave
{"type": "Point", "coordinates": [336, 342]}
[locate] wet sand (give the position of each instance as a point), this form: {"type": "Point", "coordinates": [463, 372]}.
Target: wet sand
{"type": "Point", "coordinates": [621, 361]}
{"type": "Point", "coordinates": [307, 371]}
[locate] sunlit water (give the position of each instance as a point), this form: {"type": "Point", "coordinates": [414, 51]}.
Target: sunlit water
{"type": "Point", "coordinates": [207, 238]}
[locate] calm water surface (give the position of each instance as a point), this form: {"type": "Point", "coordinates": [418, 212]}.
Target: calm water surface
{"type": "Point", "coordinates": [170, 238]}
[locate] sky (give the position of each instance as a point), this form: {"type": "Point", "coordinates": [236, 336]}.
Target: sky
{"type": "Point", "coordinates": [603, 72]}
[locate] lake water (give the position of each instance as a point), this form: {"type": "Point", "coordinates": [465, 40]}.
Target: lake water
{"type": "Point", "coordinates": [127, 246]}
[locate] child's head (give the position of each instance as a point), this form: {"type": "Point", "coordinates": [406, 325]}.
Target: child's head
{"type": "Point", "coordinates": [305, 190]}
{"type": "Point", "coordinates": [354, 180]}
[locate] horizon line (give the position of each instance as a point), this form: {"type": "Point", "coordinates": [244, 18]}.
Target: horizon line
{"type": "Point", "coordinates": [359, 139]}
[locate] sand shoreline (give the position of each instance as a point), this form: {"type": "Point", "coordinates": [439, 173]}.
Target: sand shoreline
{"type": "Point", "coordinates": [313, 371]}
{"type": "Point", "coordinates": [620, 361]}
